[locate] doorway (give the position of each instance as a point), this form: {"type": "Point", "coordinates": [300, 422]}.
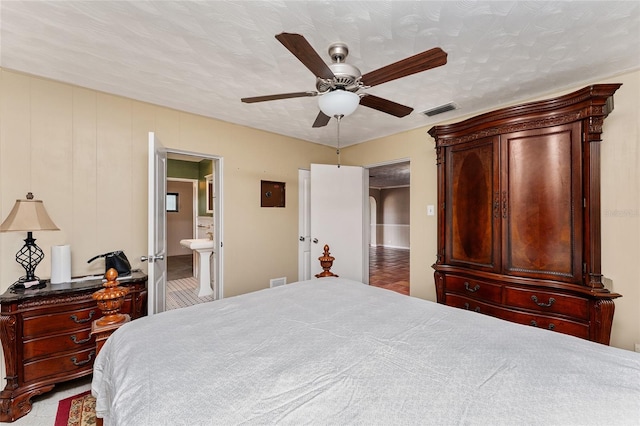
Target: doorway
{"type": "Point", "coordinates": [387, 262]}
{"type": "Point", "coordinates": [192, 180]}
{"type": "Point", "coordinates": [181, 222]}
{"type": "Point", "coordinates": [389, 248]}
{"type": "Point", "coordinates": [344, 230]}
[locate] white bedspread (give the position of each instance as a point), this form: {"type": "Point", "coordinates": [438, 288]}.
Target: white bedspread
{"type": "Point", "coordinates": [337, 352]}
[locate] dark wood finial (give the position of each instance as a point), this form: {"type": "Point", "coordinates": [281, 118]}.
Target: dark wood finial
{"type": "Point", "coordinates": [110, 299]}
{"type": "Point", "coordinates": [326, 261]}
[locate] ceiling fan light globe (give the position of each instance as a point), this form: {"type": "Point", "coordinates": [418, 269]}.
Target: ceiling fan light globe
{"type": "Point", "coordinates": [338, 103]}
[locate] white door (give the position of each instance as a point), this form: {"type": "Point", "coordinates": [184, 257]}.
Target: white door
{"type": "Point", "coordinates": [339, 218]}
{"type": "Point", "coordinates": [157, 240]}
{"type": "Point", "coordinates": [304, 225]}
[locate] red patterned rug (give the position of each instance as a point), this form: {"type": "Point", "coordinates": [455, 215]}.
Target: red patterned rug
{"type": "Point", "coordinates": [77, 410]}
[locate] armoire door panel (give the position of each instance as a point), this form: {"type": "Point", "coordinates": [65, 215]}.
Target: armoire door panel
{"type": "Point", "coordinates": [543, 208]}
{"type": "Point", "coordinates": [470, 221]}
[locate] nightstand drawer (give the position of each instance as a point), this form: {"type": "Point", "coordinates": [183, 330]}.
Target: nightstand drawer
{"type": "Point", "coordinates": [547, 302]}
{"type": "Point", "coordinates": [63, 365]}
{"type": "Point", "coordinates": [45, 324]}
{"type": "Point", "coordinates": [475, 289]}
{"type": "Point", "coordinates": [45, 346]}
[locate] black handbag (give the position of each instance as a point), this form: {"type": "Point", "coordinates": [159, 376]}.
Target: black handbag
{"type": "Point", "coordinates": [116, 260]}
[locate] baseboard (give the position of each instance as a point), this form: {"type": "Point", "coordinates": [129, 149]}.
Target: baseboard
{"type": "Point", "coordinates": [393, 247]}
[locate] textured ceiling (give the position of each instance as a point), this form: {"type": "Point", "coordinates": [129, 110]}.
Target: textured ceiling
{"type": "Point", "coordinates": [390, 175]}
{"type": "Point", "coordinates": [203, 56]}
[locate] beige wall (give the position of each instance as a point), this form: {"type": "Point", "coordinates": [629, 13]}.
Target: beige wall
{"type": "Point", "coordinates": [84, 153]}
{"type": "Point", "coordinates": [620, 202]}
{"type": "Point", "coordinates": [416, 146]}
{"type": "Point", "coordinates": [393, 228]}
{"type": "Point", "coordinates": [621, 208]}
{"type": "Point", "coordinates": [395, 206]}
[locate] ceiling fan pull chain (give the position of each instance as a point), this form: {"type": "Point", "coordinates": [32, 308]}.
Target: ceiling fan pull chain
{"type": "Point", "coordinates": [339, 118]}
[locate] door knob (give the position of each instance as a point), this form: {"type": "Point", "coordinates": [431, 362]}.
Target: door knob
{"type": "Point", "coordinates": [301, 238]}
{"type": "Point", "coordinates": [315, 241]}
{"type": "Point", "coordinates": [152, 258]}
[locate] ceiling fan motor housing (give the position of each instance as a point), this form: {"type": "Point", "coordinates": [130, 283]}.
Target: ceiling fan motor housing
{"type": "Point", "coordinates": [347, 77]}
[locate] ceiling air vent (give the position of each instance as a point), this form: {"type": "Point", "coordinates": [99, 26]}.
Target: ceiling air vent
{"type": "Point", "coordinates": [440, 109]}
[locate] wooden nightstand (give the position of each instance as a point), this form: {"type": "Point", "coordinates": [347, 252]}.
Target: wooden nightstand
{"type": "Point", "coordinates": [47, 336]}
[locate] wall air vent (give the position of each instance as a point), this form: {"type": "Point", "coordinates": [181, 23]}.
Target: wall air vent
{"type": "Point", "coordinates": [440, 109]}
{"type": "Point", "coordinates": [277, 282]}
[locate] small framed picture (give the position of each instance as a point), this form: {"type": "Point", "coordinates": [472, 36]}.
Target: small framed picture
{"type": "Point", "coordinates": [172, 201]}
{"type": "Point", "coordinates": [272, 194]}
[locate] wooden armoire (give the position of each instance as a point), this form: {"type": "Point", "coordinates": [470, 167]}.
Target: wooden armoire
{"type": "Point", "coordinates": [519, 214]}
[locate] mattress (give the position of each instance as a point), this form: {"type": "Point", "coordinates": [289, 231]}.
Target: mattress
{"type": "Point", "coordinates": [336, 351]}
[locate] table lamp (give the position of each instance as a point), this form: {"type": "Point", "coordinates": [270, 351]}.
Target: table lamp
{"type": "Point", "coordinates": [28, 215]}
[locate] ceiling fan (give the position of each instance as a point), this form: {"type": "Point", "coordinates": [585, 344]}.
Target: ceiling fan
{"type": "Point", "coordinates": [342, 81]}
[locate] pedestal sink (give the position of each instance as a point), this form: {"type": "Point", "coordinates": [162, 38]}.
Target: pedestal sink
{"type": "Point", "coordinates": [204, 247]}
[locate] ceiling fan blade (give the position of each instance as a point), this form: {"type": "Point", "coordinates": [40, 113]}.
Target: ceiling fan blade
{"type": "Point", "coordinates": [417, 63]}
{"type": "Point", "coordinates": [278, 96]}
{"type": "Point", "coordinates": [321, 120]}
{"type": "Point", "coordinates": [385, 105]}
{"type": "Point", "coordinates": [302, 50]}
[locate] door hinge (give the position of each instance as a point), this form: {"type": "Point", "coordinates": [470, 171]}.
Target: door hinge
{"type": "Point", "coordinates": [584, 268]}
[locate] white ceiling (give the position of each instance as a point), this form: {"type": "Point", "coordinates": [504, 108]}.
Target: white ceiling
{"type": "Point", "coordinates": [203, 56]}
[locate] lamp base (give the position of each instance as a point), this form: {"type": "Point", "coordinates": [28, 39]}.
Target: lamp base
{"type": "Point", "coordinates": [28, 257]}
{"type": "Point", "coordinates": [27, 284]}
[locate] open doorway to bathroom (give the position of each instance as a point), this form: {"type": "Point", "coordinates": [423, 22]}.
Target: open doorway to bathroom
{"type": "Point", "coordinates": [191, 185]}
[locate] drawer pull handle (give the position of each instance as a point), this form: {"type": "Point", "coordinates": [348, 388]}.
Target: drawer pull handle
{"type": "Point", "coordinates": [544, 305]}
{"type": "Point", "coordinates": [466, 306]}
{"type": "Point", "coordinates": [535, 324]}
{"type": "Point", "coordinates": [79, 342]}
{"type": "Point", "coordinates": [80, 321]}
{"type": "Point", "coordinates": [472, 290]}
{"type": "Point", "coordinates": [77, 363]}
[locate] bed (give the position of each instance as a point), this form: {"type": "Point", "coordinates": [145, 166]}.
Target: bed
{"type": "Point", "coordinates": [335, 351]}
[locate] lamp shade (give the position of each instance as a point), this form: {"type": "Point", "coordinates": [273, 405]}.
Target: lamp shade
{"type": "Point", "coordinates": [28, 215]}
{"type": "Point", "coordinates": [338, 103]}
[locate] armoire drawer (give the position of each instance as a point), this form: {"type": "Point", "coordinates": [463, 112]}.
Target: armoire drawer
{"type": "Point", "coordinates": [473, 288]}
{"type": "Point", "coordinates": [471, 304]}
{"type": "Point", "coordinates": [547, 302]}
{"type": "Point", "coordinates": [559, 325]}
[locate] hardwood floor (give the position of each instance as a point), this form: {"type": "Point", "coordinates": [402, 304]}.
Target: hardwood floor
{"type": "Point", "coordinates": [389, 268]}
